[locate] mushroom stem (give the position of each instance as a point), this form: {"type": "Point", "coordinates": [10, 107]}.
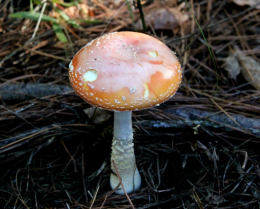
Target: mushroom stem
{"type": "Point", "coordinates": [123, 157]}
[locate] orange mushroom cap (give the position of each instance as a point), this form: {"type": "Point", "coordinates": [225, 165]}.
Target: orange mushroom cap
{"type": "Point", "coordinates": [125, 71]}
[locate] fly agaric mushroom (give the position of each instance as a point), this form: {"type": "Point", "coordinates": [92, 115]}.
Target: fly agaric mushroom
{"type": "Point", "coordinates": [124, 72]}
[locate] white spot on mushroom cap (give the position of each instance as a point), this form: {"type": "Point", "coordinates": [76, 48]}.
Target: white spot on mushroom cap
{"type": "Point", "coordinates": [71, 67]}
{"type": "Point", "coordinates": [146, 91]}
{"type": "Point", "coordinates": [89, 43]}
{"type": "Point", "coordinates": [98, 43]}
{"type": "Point", "coordinates": [132, 90]}
{"type": "Point", "coordinates": [90, 76]}
{"type": "Point", "coordinates": [91, 85]}
{"type": "Point", "coordinates": [153, 53]}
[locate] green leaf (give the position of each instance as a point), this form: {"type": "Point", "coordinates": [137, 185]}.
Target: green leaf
{"type": "Point", "coordinates": [59, 33]}
{"type": "Point", "coordinates": [90, 21]}
{"type": "Point", "coordinates": [33, 16]}
{"type": "Point", "coordinates": [38, 2]}
{"type": "Point", "coordinates": [68, 20]}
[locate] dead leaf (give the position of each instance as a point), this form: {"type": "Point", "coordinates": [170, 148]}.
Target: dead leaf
{"type": "Point", "coordinates": [181, 16]}
{"type": "Point", "coordinates": [77, 12]}
{"type": "Point", "coordinates": [232, 66]}
{"type": "Point", "coordinates": [250, 68]}
{"type": "Point", "coordinates": [97, 115]}
{"type": "Point", "coordinates": [80, 11]}
{"type": "Point", "coordinates": [164, 18]}
{"type": "Point", "coordinates": [238, 62]}
{"type": "Point", "coordinates": [251, 3]}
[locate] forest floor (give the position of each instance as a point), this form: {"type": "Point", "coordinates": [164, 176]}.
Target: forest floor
{"type": "Point", "coordinates": [199, 150]}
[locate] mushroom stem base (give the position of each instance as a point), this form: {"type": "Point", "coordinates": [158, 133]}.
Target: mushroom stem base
{"type": "Point", "coordinates": [123, 157]}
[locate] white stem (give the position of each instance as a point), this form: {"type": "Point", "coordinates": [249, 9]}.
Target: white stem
{"type": "Point", "coordinates": [123, 156]}
{"type": "Point", "coordinates": [123, 125]}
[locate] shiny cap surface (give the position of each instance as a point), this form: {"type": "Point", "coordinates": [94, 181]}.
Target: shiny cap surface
{"type": "Point", "coordinates": [125, 71]}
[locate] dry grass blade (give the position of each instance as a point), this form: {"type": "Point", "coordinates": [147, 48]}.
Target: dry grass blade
{"type": "Point", "coordinates": [121, 184]}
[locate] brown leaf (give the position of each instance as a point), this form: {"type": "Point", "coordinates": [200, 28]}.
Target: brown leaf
{"type": "Point", "coordinates": [164, 18]}
{"type": "Point", "coordinates": [250, 68]}
{"type": "Point", "coordinates": [80, 11]}
{"type": "Point", "coordinates": [238, 62]}
{"type": "Point", "coordinates": [251, 3]}
{"type": "Point", "coordinates": [232, 66]}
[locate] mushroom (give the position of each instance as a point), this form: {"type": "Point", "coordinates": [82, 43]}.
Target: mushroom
{"type": "Point", "coordinates": [123, 72]}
